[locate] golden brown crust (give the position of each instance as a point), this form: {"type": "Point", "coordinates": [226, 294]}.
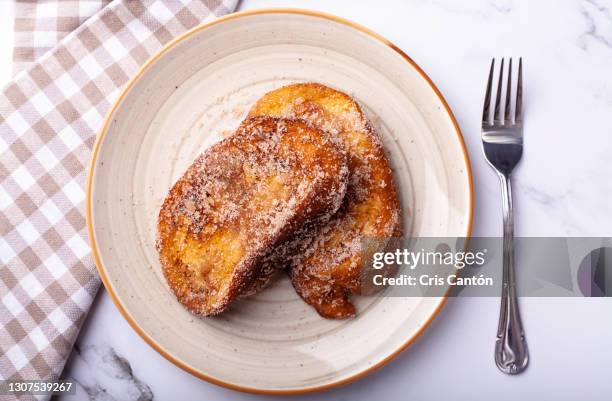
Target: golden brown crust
{"type": "Point", "coordinates": [238, 201]}
{"type": "Point", "coordinates": [326, 266]}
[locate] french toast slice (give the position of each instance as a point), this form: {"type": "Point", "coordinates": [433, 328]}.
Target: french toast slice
{"type": "Point", "coordinates": [240, 199]}
{"type": "Point", "coordinates": [326, 266]}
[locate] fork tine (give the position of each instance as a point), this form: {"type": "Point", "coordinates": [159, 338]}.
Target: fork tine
{"type": "Point", "coordinates": [507, 116]}
{"type": "Point", "coordinates": [497, 113]}
{"type": "Point", "coordinates": [486, 109]}
{"type": "Point", "coordinates": [518, 115]}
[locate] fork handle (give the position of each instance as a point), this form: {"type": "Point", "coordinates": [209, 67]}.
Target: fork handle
{"type": "Point", "coordinates": [511, 354]}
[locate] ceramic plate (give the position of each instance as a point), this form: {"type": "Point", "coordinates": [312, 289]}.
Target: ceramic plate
{"type": "Point", "coordinates": [191, 94]}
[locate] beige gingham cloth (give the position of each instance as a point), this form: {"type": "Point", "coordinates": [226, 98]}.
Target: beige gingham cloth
{"type": "Point", "coordinates": [49, 117]}
{"type": "Point", "coordinates": [40, 24]}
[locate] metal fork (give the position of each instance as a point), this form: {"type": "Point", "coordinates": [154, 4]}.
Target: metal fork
{"type": "Point", "coordinates": [502, 143]}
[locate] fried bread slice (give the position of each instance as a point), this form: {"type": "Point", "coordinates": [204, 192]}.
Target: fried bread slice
{"type": "Point", "coordinates": [240, 199]}
{"type": "Point", "coordinates": [326, 267]}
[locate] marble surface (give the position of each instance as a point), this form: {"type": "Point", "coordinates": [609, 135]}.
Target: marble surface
{"type": "Point", "coordinates": [563, 187]}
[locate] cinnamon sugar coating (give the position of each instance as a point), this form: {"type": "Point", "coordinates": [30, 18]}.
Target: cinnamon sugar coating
{"type": "Point", "coordinates": [325, 262]}
{"type": "Point", "coordinates": [241, 199]}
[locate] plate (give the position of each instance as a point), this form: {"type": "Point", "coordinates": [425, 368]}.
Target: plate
{"type": "Point", "coordinates": [190, 95]}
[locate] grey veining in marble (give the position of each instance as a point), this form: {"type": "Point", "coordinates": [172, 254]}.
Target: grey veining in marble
{"type": "Point", "coordinates": [103, 375]}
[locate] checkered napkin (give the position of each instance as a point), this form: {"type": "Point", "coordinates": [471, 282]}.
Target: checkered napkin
{"type": "Point", "coordinates": [39, 25]}
{"type": "Point", "coordinates": [49, 116]}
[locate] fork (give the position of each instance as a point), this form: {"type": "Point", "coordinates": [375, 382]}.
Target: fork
{"type": "Point", "coordinates": [502, 143]}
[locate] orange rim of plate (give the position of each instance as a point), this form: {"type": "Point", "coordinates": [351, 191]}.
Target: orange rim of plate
{"type": "Point", "coordinates": [92, 241]}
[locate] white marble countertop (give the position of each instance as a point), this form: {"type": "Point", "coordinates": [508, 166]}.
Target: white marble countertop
{"type": "Point", "coordinates": [562, 188]}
